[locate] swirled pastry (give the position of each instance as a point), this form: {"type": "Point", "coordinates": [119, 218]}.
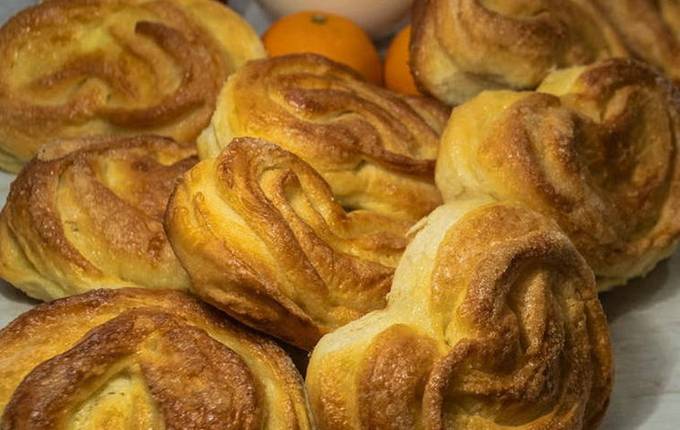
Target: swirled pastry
{"type": "Point", "coordinates": [375, 149]}
{"type": "Point", "coordinates": [70, 68]}
{"type": "Point", "coordinates": [133, 358]}
{"type": "Point", "coordinates": [493, 322]}
{"type": "Point", "coordinates": [462, 47]}
{"type": "Point", "coordinates": [650, 29]}
{"type": "Point", "coordinates": [262, 237]}
{"type": "Point", "coordinates": [596, 149]}
{"type": "Point", "coordinates": [88, 214]}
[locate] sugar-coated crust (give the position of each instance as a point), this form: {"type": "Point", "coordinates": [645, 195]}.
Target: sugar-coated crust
{"type": "Point", "coordinates": [88, 213]}
{"type": "Point", "coordinates": [462, 47]}
{"type": "Point", "coordinates": [596, 148]}
{"type": "Point", "coordinates": [376, 149]}
{"type": "Point", "coordinates": [493, 322]}
{"type": "Point", "coordinates": [71, 68]}
{"type": "Point", "coordinates": [650, 29]}
{"type": "Point", "coordinates": [61, 362]}
{"type": "Point", "coordinates": [263, 238]}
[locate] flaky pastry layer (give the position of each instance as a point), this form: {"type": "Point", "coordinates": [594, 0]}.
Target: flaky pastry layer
{"type": "Point", "coordinates": [73, 68]}
{"type": "Point", "coordinates": [650, 29]}
{"type": "Point", "coordinates": [263, 238]}
{"type": "Point", "coordinates": [88, 213]}
{"type": "Point", "coordinates": [375, 149]}
{"type": "Point", "coordinates": [462, 47]}
{"type": "Point", "coordinates": [596, 148]}
{"type": "Point", "coordinates": [493, 322]}
{"type": "Point", "coordinates": [132, 358]}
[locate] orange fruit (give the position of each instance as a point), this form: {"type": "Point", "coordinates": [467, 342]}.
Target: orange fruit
{"type": "Point", "coordinates": [330, 35]}
{"type": "Point", "coordinates": [398, 75]}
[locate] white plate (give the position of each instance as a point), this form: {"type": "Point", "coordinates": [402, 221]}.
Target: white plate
{"type": "Point", "coordinates": [644, 318]}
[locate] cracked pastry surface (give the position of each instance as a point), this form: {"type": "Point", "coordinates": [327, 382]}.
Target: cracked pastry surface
{"type": "Point", "coordinates": [493, 322]}
{"type": "Point", "coordinates": [74, 68]}
{"type": "Point", "coordinates": [595, 148]}
{"type": "Point", "coordinates": [134, 358]}
{"type": "Point", "coordinates": [376, 149]}
{"type": "Point", "coordinates": [88, 213]}
{"type": "Point", "coordinates": [462, 47]}
{"type": "Point", "coordinates": [263, 238]}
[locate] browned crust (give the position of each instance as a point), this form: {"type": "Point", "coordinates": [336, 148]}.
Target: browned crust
{"type": "Point", "coordinates": [110, 193]}
{"type": "Point", "coordinates": [406, 358]}
{"type": "Point", "coordinates": [178, 344]}
{"type": "Point", "coordinates": [462, 47]}
{"type": "Point", "coordinates": [650, 29]}
{"type": "Point", "coordinates": [493, 322]}
{"type": "Point", "coordinates": [375, 148]}
{"type": "Point", "coordinates": [148, 76]}
{"type": "Point", "coordinates": [301, 265]}
{"type": "Point", "coordinates": [279, 74]}
{"type": "Point", "coordinates": [600, 157]}
{"type": "Point", "coordinates": [530, 306]}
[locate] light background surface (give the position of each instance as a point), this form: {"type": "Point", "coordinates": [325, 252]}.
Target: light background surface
{"type": "Point", "coordinates": [644, 317]}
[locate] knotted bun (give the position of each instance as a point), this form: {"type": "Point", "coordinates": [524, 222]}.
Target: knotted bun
{"type": "Point", "coordinates": [596, 148]}
{"type": "Point", "coordinates": [133, 358]}
{"type": "Point", "coordinates": [264, 239]}
{"type": "Point", "coordinates": [71, 68]}
{"type": "Point", "coordinates": [88, 213]}
{"type": "Point", "coordinates": [493, 322]}
{"type": "Point", "coordinates": [462, 47]}
{"type": "Point", "coordinates": [375, 149]}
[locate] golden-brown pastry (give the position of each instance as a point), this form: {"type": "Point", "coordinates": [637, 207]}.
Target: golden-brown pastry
{"type": "Point", "coordinates": [493, 322]}
{"type": "Point", "coordinates": [88, 214]}
{"type": "Point", "coordinates": [375, 149]}
{"type": "Point", "coordinates": [650, 29]}
{"type": "Point", "coordinates": [596, 149]}
{"type": "Point", "coordinates": [262, 238]}
{"type": "Point", "coordinates": [71, 68]}
{"type": "Point", "coordinates": [462, 47]}
{"type": "Point", "coordinates": [141, 359]}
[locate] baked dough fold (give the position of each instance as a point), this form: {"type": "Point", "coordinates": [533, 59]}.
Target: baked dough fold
{"type": "Point", "coordinates": [596, 148]}
{"type": "Point", "coordinates": [134, 358]}
{"type": "Point", "coordinates": [462, 47]}
{"type": "Point", "coordinates": [376, 149]}
{"type": "Point", "coordinates": [74, 68]}
{"type": "Point", "coordinates": [88, 213]}
{"type": "Point", "coordinates": [263, 238]}
{"type": "Point", "coordinates": [650, 30]}
{"type": "Point", "coordinates": [493, 322]}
